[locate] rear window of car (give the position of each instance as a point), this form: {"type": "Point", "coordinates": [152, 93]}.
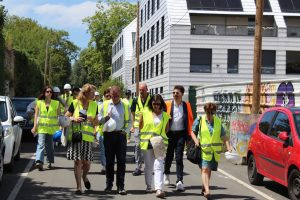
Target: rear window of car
{"type": "Point", "coordinates": [3, 111]}
{"type": "Point", "coordinates": [266, 121]}
{"type": "Point", "coordinates": [21, 105]}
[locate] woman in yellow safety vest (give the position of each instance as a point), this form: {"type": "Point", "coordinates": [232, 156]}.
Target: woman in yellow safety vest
{"type": "Point", "coordinates": [154, 122]}
{"type": "Point", "coordinates": [82, 113]}
{"type": "Point", "coordinates": [45, 124]}
{"type": "Point", "coordinates": [209, 134]}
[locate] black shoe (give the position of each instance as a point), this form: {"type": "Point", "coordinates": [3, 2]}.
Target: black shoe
{"type": "Point", "coordinates": [78, 192]}
{"type": "Point", "coordinates": [137, 172]}
{"type": "Point", "coordinates": [108, 189]}
{"type": "Point", "coordinates": [122, 191]}
{"type": "Point", "coordinates": [87, 185]}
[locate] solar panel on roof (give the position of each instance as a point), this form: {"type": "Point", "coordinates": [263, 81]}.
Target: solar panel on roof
{"type": "Point", "coordinates": [290, 5]}
{"type": "Point", "coordinates": [226, 5]}
{"type": "Point", "coordinates": [193, 4]}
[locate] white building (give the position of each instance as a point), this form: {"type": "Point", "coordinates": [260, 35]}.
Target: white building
{"type": "Point", "coordinates": [122, 52]}
{"type": "Point", "coordinates": [199, 42]}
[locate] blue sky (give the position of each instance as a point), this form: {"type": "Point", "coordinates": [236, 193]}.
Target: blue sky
{"type": "Point", "coordinates": [57, 14]}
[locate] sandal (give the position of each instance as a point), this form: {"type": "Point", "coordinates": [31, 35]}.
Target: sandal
{"type": "Point", "coordinates": [207, 195]}
{"type": "Point", "coordinates": [78, 192]}
{"type": "Point", "coordinates": [87, 185]}
{"type": "Point", "coordinates": [202, 190]}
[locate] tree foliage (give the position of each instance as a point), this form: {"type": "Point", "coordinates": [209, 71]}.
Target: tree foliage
{"type": "Point", "coordinates": [26, 36]}
{"type": "Point", "coordinates": [107, 23]}
{"type": "Point", "coordinates": [2, 48]}
{"type": "Point", "coordinates": [110, 82]}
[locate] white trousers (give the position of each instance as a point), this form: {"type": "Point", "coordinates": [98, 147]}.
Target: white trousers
{"type": "Point", "coordinates": [153, 165]}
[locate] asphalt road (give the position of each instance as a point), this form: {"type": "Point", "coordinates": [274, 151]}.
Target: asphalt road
{"type": "Point", "coordinates": [25, 182]}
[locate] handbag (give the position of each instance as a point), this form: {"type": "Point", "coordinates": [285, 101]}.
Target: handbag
{"type": "Point", "coordinates": [158, 145]}
{"type": "Point", "coordinates": [193, 152]}
{"type": "Point", "coordinates": [76, 135]}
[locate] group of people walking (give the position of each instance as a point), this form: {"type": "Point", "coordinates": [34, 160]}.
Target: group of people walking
{"type": "Point", "coordinates": [160, 129]}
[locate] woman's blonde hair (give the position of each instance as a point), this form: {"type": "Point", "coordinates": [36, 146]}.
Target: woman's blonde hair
{"type": "Point", "coordinates": [85, 90]}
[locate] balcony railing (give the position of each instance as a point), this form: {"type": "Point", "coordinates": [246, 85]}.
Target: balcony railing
{"type": "Point", "coordinates": [293, 31]}
{"type": "Point", "coordinates": [231, 30]}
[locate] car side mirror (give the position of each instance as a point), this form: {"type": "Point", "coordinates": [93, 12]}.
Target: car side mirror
{"type": "Point", "coordinates": [283, 136]}
{"type": "Point", "coordinates": [18, 119]}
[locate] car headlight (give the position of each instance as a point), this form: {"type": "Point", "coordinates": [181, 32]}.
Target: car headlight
{"type": "Point", "coordinates": [7, 131]}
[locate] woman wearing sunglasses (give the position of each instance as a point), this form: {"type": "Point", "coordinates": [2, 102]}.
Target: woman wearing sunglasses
{"type": "Point", "coordinates": [46, 115]}
{"type": "Point", "coordinates": [209, 134]}
{"type": "Point", "coordinates": [154, 122]}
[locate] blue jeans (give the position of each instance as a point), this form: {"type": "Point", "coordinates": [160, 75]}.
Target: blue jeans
{"type": "Point", "coordinates": [45, 141]}
{"type": "Point", "coordinates": [102, 151]}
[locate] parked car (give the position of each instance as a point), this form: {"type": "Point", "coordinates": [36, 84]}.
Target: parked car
{"type": "Point", "coordinates": [274, 149]}
{"type": "Point", "coordinates": [21, 104]}
{"type": "Point", "coordinates": [12, 131]}
{"type": "Point", "coordinates": [1, 151]}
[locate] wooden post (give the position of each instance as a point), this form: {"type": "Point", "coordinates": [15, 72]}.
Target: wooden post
{"type": "Point", "coordinates": [257, 57]}
{"type": "Point", "coordinates": [46, 64]}
{"type": "Point", "coordinates": [137, 68]}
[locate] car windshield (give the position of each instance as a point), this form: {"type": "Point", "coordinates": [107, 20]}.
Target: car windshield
{"type": "Point", "coordinates": [297, 122]}
{"type": "Point", "coordinates": [21, 105]}
{"type": "Point", "coordinates": [3, 111]}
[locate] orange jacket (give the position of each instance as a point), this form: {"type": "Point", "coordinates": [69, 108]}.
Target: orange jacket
{"type": "Point", "coordinates": [187, 116]}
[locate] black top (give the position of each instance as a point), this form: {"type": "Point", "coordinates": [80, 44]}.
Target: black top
{"type": "Point", "coordinates": [72, 109]}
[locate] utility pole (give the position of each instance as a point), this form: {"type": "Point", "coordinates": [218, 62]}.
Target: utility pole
{"type": "Point", "coordinates": [46, 64]}
{"type": "Point", "coordinates": [137, 68]}
{"type": "Point", "coordinates": [257, 57]}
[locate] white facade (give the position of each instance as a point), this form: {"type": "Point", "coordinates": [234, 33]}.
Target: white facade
{"type": "Point", "coordinates": [122, 52]}
{"type": "Point", "coordinates": [217, 33]}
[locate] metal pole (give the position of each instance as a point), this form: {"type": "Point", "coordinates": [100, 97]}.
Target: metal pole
{"type": "Point", "coordinates": [137, 68]}
{"type": "Point", "coordinates": [257, 57]}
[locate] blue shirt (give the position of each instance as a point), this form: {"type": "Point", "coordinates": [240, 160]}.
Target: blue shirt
{"type": "Point", "coordinates": [209, 125]}
{"type": "Point", "coordinates": [118, 114]}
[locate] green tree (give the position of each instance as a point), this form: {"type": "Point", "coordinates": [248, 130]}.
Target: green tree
{"type": "Point", "coordinates": [107, 23]}
{"type": "Point", "coordinates": [110, 82]}
{"type": "Point", "coordinates": [2, 48]}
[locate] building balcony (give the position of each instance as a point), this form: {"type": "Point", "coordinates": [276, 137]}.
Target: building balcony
{"type": "Point", "coordinates": [293, 31]}
{"type": "Point", "coordinates": [231, 30]}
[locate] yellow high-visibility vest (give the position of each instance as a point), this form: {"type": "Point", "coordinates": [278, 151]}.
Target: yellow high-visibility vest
{"type": "Point", "coordinates": [126, 112]}
{"type": "Point", "coordinates": [68, 99]}
{"type": "Point", "coordinates": [149, 129]}
{"type": "Point", "coordinates": [86, 127]}
{"type": "Point", "coordinates": [47, 119]}
{"type": "Point", "coordinates": [210, 144]}
{"type": "Point", "coordinates": [139, 109]}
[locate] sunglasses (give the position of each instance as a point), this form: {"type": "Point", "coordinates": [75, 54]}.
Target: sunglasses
{"type": "Point", "coordinates": [156, 104]}
{"type": "Point", "coordinates": [49, 91]}
{"type": "Point", "coordinates": [107, 96]}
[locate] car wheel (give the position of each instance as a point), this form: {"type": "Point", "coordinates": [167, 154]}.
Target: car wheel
{"type": "Point", "coordinates": [10, 166]}
{"type": "Point", "coordinates": [1, 168]}
{"type": "Point", "coordinates": [294, 184]}
{"type": "Point", "coordinates": [254, 177]}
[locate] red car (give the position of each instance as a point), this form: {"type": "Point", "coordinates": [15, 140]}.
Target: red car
{"type": "Point", "coordinates": [274, 149]}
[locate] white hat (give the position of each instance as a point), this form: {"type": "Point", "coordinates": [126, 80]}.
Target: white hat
{"type": "Point", "coordinates": [97, 94]}
{"type": "Point", "coordinates": [67, 86]}
{"type": "Point", "coordinates": [110, 125]}
{"type": "Point", "coordinates": [56, 89]}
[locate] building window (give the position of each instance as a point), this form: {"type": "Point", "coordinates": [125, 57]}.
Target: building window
{"type": "Point", "coordinates": [268, 62]}
{"type": "Point", "coordinates": [152, 7]}
{"type": "Point", "coordinates": [141, 46]}
{"type": "Point", "coordinates": [200, 60]}
{"type": "Point", "coordinates": [148, 39]}
{"type": "Point", "coordinates": [140, 71]}
{"type": "Point", "coordinates": [133, 35]}
{"type": "Point", "coordinates": [157, 31]}
{"type": "Point", "coordinates": [152, 36]}
{"type": "Point", "coordinates": [132, 76]}
{"type": "Point", "coordinates": [143, 70]}
{"type": "Point", "coordinates": [141, 17]}
{"type": "Point", "coordinates": [145, 13]}
{"type": "Point", "coordinates": [144, 42]}
{"type": "Point", "coordinates": [293, 62]}
{"type": "Point", "coordinates": [151, 67]}
{"type": "Point", "coordinates": [158, 2]}
{"type": "Point", "coordinates": [156, 90]}
{"type": "Point", "coordinates": [161, 62]}
{"type": "Point", "coordinates": [163, 27]}
{"type": "Point", "coordinates": [147, 74]}
{"type": "Point", "coordinates": [156, 67]}
{"type": "Point", "coordinates": [148, 11]}
{"type": "Point", "coordinates": [161, 90]}
{"type": "Point", "coordinates": [232, 61]}
{"type": "Point", "coordinates": [251, 25]}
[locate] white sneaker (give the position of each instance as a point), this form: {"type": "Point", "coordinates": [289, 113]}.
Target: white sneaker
{"type": "Point", "coordinates": [166, 179]}
{"type": "Point", "coordinates": [179, 186]}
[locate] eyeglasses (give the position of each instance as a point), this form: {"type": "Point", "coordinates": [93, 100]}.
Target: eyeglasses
{"type": "Point", "coordinates": [107, 96]}
{"type": "Point", "coordinates": [49, 91]}
{"type": "Point", "coordinates": [156, 104]}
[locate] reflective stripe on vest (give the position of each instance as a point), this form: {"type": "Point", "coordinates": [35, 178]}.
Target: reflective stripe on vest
{"type": "Point", "coordinates": [87, 128]}
{"type": "Point", "coordinates": [47, 119]}
{"type": "Point", "coordinates": [210, 144]}
{"type": "Point", "coordinates": [149, 129]}
{"type": "Point", "coordinates": [139, 109]}
{"type": "Point", "coordinates": [126, 112]}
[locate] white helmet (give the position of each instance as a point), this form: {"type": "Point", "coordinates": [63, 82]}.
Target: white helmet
{"type": "Point", "coordinates": [67, 86]}
{"type": "Point", "coordinates": [97, 94]}
{"type": "Point", "coordinates": [64, 121]}
{"type": "Point", "coordinates": [56, 89]}
{"type": "Point", "coordinates": [110, 125]}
